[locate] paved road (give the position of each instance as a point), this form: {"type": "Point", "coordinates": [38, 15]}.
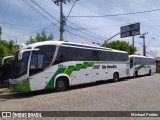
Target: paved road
{"type": "Point", "coordinates": [140, 94]}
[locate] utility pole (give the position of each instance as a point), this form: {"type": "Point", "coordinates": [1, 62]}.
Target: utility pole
{"type": "Point", "coordinates": [144, 46]}
{"type": "Point", "coordinates": [62, 17]}
{"type": "Point", "coordinates": [133, 41]}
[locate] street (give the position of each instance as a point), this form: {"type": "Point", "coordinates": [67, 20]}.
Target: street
{"type": "Point", "coordinates": [136, 94]}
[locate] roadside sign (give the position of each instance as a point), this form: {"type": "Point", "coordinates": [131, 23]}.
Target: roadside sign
{"type": "Point", "coordinates": [130, 30]}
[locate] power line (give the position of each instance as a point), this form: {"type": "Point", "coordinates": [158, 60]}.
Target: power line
{"type": "Point", "coordinates": [117, 25]}
{"type": "Point", "coordinates": [87, 30]}
{"type": "Point", "coordinates": [80, 36]}
{"type": "Point", "coordinates": [71, 9]}
{"type": "Point", "coordinates": [21, 25]}
{"type": "Point", "coordinates": [44, 10]}
{"type": "Point", "coordinates": [69, 21]}
{"type": "Point", "coordinates": [82, 32]}
{"type": "Point", "coordinates": [150, 41]}
{"type": "Point", "coordinates": [68, 16]}
{"type": "Point", "coordinates": [27, 3]}
{"type": "Point", "coordinates": [122, 14]}
{"type": "Point", "coordinates": [93, 34]}
{"type": "Point", "coordinates": [69, 33]}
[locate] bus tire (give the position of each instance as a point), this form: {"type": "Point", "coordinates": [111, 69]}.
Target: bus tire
{"type": "Point", "coordinates": [136, 74]}
{"type": "Point", "coordinates": [115, 77]}
{"type": "Point", "coordinates": [61, 84]}
{"type": "Point", "coordinates": [150, 72]}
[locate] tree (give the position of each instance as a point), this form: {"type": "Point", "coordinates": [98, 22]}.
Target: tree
{"type": "Point", "coordinates": [39, 38]}
{"type": "Point", "coordinates": [121, 45]}
{"type": "Point", "coordinates": [6, 48]}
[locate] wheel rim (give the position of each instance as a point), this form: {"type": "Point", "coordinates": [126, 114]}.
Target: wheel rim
{"type": "Point", "coordinates": [115, 77]}
{"type": "Point", "coordinates": [60, 84]}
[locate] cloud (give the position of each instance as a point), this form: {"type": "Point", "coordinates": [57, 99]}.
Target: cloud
{"type": "Point", "coordinates": [18, 12]}
{"type": "Point", "coordinates": [155, 51]}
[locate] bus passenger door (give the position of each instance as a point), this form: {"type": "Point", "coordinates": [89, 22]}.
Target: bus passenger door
{"type": "Point", "coordinates": [132, 66]}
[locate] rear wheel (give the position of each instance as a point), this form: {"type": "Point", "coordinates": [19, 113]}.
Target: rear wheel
{"type": "Point", "coordinates": [149, 73]}
{"type": "Point", "coordinates": [61, 84]}
{"type": "Point", "coordinates": [115, 77]}
{"type": "Point", "coordinates": [136, 74]}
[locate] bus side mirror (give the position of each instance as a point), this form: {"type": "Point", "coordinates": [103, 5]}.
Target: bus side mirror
{"type": "Point", "coordinates": [20, 54]}
{"type": "Point", "coordinates": [5, 58]}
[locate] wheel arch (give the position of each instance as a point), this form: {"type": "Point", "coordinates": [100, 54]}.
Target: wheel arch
{"type": "Point", "coordinates": [62, 76]}
{"type": "Point", "coordinates": [116, 71]}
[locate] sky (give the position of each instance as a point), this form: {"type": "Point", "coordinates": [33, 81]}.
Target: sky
{"type": "Point", "coordinates": [19, 21]}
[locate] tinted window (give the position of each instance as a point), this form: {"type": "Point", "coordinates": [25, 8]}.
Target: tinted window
{"type": "Point", "coordinates": [75, 54]}
{"type": "Point", "coordinates": [81, 54]}
{"type": "Point", "coordinates": [42, 58]}
{"type": "Point", "coordinates": [124, 57]}
{"type": "Point", "coordinates": [145, 61]}
{"type": "Point", "coordinates": [120, 56]}
{"type": "Point", "coordinates": [105, 56]}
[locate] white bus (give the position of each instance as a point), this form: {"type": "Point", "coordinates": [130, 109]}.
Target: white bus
{"type": "Point", "coordinates": [58, 65]}
{"type": "Point", "coordinates": [142, 65]}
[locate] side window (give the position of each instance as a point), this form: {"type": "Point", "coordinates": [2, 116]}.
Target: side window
{"type": "Point", "coordinates": [37, 61]}
{"type": "Point", "coordinates": [75, 54]}
{"type": "Point", "coordinates": [116, 56]}
{"type": "Point", "coordinates": [41, 59]}
{"type": "Point", "coordinates": [136, 61]}
{"type": "Point", "coordinates": [65, 54]}
{"type": "Point", "coordinates": [105, 56]}
{"type": "Point", "coordinates": [124, 57]}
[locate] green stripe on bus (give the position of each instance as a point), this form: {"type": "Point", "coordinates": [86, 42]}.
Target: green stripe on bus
{"type": "Point", "coordinates": [69, 70]}
{"type": "Point", "coordinates": [50, 84]}
{"type": "Point", "coordinates": [139, 67]}
{"type": "Point", "coordinates": [85, 65]}
{"type": "Point", "coordinates": [78, 67]}
{"type": "Point", "coordinates": [91, 64]}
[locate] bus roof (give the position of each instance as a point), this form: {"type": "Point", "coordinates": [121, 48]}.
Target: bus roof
{"type": "Point", "coordinates": [62, 43]}
{"type": "Point", "coordinates": [140, 56]}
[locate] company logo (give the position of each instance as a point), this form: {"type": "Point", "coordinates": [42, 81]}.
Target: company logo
{"type": "Point", "coordinates": [6, 114]}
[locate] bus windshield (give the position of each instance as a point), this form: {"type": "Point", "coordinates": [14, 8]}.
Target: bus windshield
{"type": "Point", "coordinates": [19, 67]}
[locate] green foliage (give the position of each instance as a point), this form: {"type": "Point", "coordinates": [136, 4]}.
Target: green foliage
{"type": "Point", "coordinates": [121, 45]}
{"type": "Point", "coordinates": [39, 38]}
{"type": "Point", "coordinates": [6, 48]}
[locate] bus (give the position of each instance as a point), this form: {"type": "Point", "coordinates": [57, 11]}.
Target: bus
{"type": "Point", "coordinates": [58, 65]}
{"type": "Point", "coordinates": [142, 65]}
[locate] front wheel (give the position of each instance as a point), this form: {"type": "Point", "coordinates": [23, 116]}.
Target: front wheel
{"type": "Point", "coordinates": [115, 77]}
{"type": "Point", "coordinates": [61, 84]}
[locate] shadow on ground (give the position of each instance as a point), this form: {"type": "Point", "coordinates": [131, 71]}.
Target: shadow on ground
{"type": "Point", "coordinates": [18, 95]}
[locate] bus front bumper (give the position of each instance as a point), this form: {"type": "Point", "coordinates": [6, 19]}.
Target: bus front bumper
{"type": "Point", "coordinates": [21, 87]}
